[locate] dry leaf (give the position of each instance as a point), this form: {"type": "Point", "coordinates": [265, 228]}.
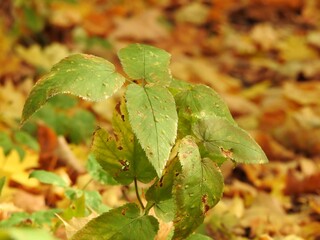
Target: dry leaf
{"type": "Point", "coordinates": [295, 185]}
{"type": "Point", "coordinates": [75, 224]}
{"type": "Point", "coordinates": [195, 13]}
{"type": "Point", "coordinates": [143, 27]}
{"type": "Point", "coordinates": [265, 36]}
{"type": "Point", "coordinates": [43, 57]}
{"type": "Point", "coordinates": [11, 104]}
{"type": "Point", "coordinates": [295, 48]}
{"type": "Point", "coordinates": [48, 142]}
{"type": "Point", "coordinates": [303, 93]}
{"type": "Point", "coordinates": [29, 202]}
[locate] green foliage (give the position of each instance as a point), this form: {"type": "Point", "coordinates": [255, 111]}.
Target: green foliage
{"type": "Point", "coordinates": [2, 182]}
{"type": "Point", "coordinates": [147, 63]}
{"type": "Point", "coordinates": [153, 118]}
{"type": "Point", "coordinates": [197, 236]}
{"type": "Point", "coordinates": [121, 155]}
{"type": "Point", "coordinates": [35, 219]}
{"type": "Point", "coordinates": [25, 234]}
{"type": "Point", "coordinates": [167, 133]}
{"type": "Point", "coordinates": [63, 115]}
{"type": "Point", "coordinates": [98, 173]}
{"type": "Point", "coordinates": [197, 188]}
{"type": "Point", "coordinates": [221, 140]}
{"type": "Point", "coordinates": [80, 200]}
{"type": "Point", "coordinates": [120, 223]}
{"type": "Point", "coordinates": [18, 141]}
{"type": "Point", "coordinates": [48, 178]}
{"type": "Point", "coordinates": [86, 76]}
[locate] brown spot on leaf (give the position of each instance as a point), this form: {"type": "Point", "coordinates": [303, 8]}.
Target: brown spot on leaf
{"type": "Point", "coordinates": [227, 153]}
{"type": "Point", "coordinates": [124, 211]}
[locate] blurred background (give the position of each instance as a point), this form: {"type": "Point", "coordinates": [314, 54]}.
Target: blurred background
{"type": "Point", "coordinates": [262, 56]}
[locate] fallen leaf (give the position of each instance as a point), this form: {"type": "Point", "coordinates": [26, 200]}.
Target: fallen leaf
{"type": "Point", "coordinates": [29, 202]}
{"type": "Point", "coordinates": [295, 185]}
{"type": "Point", "coordinates": [43, 57]}
{"type": "Point", "coordinates": [18, 171]}
{"type": "Point", "coordinates": [11, 104]}
{"type": "Point", "coordinates": [195, 13]}
{"type": "Point", "coordinates": [302, 93]}
{"type": "Point", "coordinates": [265, 36]}
{"type": "Point", "coordinates": [295, 48]}
{"type": "Point", "coordinates": [75, 224]}
{"type": "Point", "coordinates": [142, 27]}
{"type": "Point", "coordinates": [48, 142]}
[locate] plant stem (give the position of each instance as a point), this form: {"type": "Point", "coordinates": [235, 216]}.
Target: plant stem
{"type": "Point", "coordinates": [148, 207]}
{"type": "Point", "coordinates": [87, 183]}
{"type": "Point", "coordinates": [137, 193]}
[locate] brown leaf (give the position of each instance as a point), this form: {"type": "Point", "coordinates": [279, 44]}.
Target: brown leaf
{"type": "Point", "coordinates": [303, 93]}
{"type": "Point", "coordinates": [143, 27]}
{"type": "Point", "coordinates": [295, 186]}
{"type": "Point", "coordinates": [29, 202]}
{"type": "Point", "coordinates": [273, 149]}
{"type": "Point", "coordinates": [97, 23]}
{"type": "Point", "coordinates": [48, 142]}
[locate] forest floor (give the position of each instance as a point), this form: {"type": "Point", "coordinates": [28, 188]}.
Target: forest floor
{"type": "Point", "coordinates": [261, 56]}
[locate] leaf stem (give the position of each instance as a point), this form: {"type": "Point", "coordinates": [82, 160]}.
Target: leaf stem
{"type": "Point", "coordinates": [148, 207]}
{"type": "Point", "coordinates": [137, 193]}
{"type": "Point", "coordinates": [87, 184]}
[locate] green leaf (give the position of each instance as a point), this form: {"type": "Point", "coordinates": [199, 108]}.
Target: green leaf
{"type": "Point", "coordinates": [198, 236]}
{"type": "Point", "coordinates": [178, 86]}
{"type": "Point", "coordinates": [80, 126]}
{"type": "Point", "coordinates": [223, 140]}
{"type": "Point", "coordinates": [121, 155]}
{"type": "Point", "coordinates": [48, 178]}
{"type": "Point", "coordinates": [24, 138]}
{"type": "Point", "coordinates": [6, 143]}
{"type": "Point", "coordinates": [15, 219]}
{"type": "Point", "coordinates": [63, 101]}
{"type": "Point", "coordinates": [86, 76]}
{"type": "Point", "coordinates": [94, 201]}
{"type": "Point", "coordinates": [159, 195]}
{"type": "Point", "coordinates": [44, 217]}
{"type": "Point", "coordinates": [197, 102]}
{"type": "Point", "coordinates": [77, 208]}
{"type": "Point", "coordinates": [97, 172]}
{"type": "Point", "coordinates": [25, 234]}
{"type": "Point", "coordinates": [38, 218]}
{"type": "Point", "coordinates": [2, 182]}
{"type": "Point", "coordinates": [153, 117]}
{"type": "Point", "coordinates": [120, 223]}
{"type": "Point", "coordinates": [197, 188]}
{"type": "Point", "coordinates": [33, 19]}
{"type": "Point", "coordinates": [141, 61]}
{"type": "Point", "coordinates": [20, 151]}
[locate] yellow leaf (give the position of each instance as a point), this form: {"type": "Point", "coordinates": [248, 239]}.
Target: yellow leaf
{"type": "Point", "coordinates": [11, 104]}
{"type": "Point", "coordinates": [295, 48]}
{"type": "Point", "coordinates": [45, 57]}
{"type": "Point", "coordinates": [16, 170]}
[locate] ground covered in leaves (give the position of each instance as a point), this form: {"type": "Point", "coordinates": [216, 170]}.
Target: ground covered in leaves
{"type": "Point", "coordinates": [262, 56]}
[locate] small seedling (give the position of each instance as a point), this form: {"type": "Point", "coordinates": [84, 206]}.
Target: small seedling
{"type": "Point", "coordinates": [168, 133]}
